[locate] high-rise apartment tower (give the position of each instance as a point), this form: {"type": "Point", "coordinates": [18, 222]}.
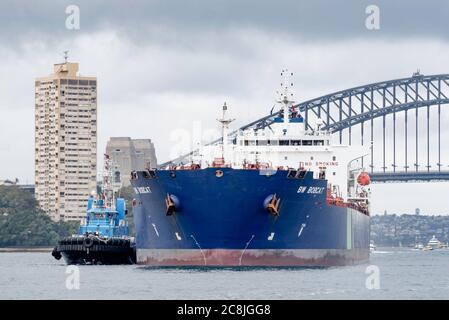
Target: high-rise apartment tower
{"type": "Point", "coordinates": [65, 141]}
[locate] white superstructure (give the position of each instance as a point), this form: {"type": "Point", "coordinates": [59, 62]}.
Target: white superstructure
{"type": "Point", "coordinates": [434, 243]}
{"type": "Point", "coordinates": [286, 144]}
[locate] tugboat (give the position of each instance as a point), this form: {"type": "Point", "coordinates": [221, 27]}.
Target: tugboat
{"type": "Point", "coordinates": [103, 236]}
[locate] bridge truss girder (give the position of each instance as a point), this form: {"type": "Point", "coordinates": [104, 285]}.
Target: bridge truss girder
{"type": "Point", "coordinates": [355, 107]}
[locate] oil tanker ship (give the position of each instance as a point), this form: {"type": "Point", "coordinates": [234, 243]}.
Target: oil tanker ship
{"type": "Point", "coordinates": [279, 196]}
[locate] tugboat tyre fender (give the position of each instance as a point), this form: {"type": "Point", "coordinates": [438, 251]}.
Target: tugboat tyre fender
{"type": "Point", "coordinates": [56, 254]}
{"type": "Point", "coordinates": [88, 242]}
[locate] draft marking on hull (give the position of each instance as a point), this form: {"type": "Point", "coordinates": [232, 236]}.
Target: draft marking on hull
{"type": "Point", "coordinates": [155, 229]}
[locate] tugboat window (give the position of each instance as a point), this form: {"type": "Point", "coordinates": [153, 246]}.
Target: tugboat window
{"type": "Point", "coordinates": [117, 178]}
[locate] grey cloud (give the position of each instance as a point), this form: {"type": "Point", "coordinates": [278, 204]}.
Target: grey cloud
{"type": "Point", "coordinates": [164, 64]}
{"type": "Point", "coordinates": [305, 20]}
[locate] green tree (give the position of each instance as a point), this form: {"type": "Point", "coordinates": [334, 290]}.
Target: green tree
{"type": "Point", "coordinates": [22, 223]}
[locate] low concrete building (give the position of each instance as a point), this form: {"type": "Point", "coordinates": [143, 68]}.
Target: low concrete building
{"type": "Point", "coordinates": [131, 154]}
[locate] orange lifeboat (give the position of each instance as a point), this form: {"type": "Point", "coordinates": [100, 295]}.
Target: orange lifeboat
{"type": "Point", "coordinates": [339, 201]}
{"type": "Point", "coordinates": [363, 179]}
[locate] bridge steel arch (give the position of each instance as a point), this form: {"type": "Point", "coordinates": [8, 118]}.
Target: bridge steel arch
{"type": "Point", "coordinates": [360, 106]}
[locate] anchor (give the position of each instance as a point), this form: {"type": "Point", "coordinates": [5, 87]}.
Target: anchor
{"type": "Point", "coordinates": [171, 208]}
{"type": "Point", "coordinates": [273, 205]}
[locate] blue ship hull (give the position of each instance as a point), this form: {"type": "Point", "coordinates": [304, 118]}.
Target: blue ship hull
{"type": "Point", "coordinates": [221, 220]}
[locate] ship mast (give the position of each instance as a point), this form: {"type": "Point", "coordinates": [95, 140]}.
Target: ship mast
{"type": "Point", "coordinates": [285, 97]}
{"type": "Point", "coordinates": [224, 129]}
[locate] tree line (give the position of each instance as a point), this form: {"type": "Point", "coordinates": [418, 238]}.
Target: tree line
{"type": "Point", "coordinates": [23, 223]}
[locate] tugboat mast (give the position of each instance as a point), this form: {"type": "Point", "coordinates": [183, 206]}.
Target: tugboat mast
{"type": "Point", "coordinates": [109, 186]}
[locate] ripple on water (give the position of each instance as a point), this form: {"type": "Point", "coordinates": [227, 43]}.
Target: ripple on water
{"type": "Point", "coordinates": [404, 274]}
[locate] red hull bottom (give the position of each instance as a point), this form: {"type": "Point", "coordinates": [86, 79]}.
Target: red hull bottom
{"type": "Point", "coordinates": [252, 257]}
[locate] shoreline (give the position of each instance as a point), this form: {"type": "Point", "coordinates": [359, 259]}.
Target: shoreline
{"type": "Point", "coordinates": [26, 249]}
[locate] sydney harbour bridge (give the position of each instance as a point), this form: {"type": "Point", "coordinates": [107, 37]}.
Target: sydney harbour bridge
{"type": "Point", "coordinates": [402, 120]}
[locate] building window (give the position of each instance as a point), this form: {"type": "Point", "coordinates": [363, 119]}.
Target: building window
{"type": "Point", "coordinates": [306, 142]}
{"type": "Point", "coordinates": [295, 142]}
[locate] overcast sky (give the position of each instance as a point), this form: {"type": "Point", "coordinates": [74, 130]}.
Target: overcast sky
{"type": "Point", "coordinates": [166, 66]}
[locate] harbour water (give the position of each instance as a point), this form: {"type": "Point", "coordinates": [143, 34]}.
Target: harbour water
{"type": "Point", "coordinates": [403, 274]}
